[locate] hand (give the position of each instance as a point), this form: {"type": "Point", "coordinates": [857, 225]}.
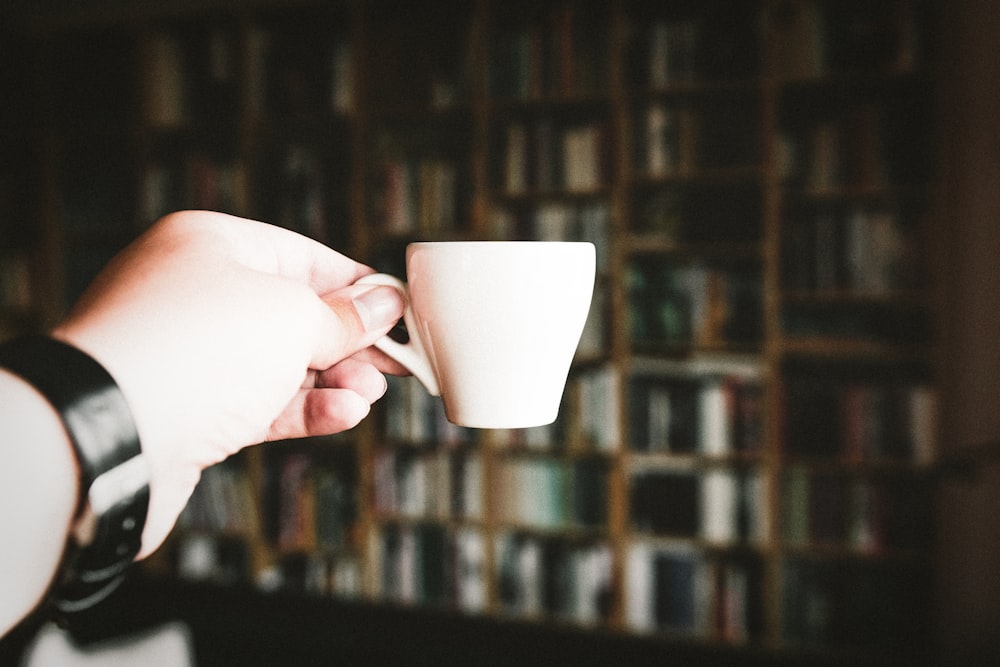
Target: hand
{"type": "Point", "coordinates": [223, 333]}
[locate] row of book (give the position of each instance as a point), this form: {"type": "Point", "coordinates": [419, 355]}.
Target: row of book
{"type": "Point", "coordinates": [302, 69]}
{"type": "Point", "coordinates": [193, 73]}
{"type": "Point", "coordinates": [588, 417]}
{"type": "Point", "coordinates": [860, 420]}
{"type": "Point", "coordinates": [683, 139]}
{"type": "Point", "coordinates": [852, 604]}
{"type": "Point", "coordinates": [861, 250]}
{"type": "Point", "coordinates": [861, 514]}
{"type": "Point", "coordinates": [554, 578]}
{"type": "Point", "coordinates": [195, 179]}
{"type": "Point", "coordinates": [302, 188]}
{"type": "Point", "coordinates": [720, 213]}
{"type": "Point", "coordinates": [309, 504]}
{"type": "Point", "coordinates": [672, 46]}
{"type": "Point", "coordinates": [222, 502]}
{"type": "Point", "coordinates": [557, 220]}
{"type": "Point", "coordinates": [543, 155]}
{"type": "Point", "coordinates": [693, 303]}
{"type": "Point", "coordinates": [216, 558]}
{"type": "Point", "coordinates": [669, 141]}
{"type": "Point", "coordinates": [685, 592]}
{"type": "Point", "coordinates": [695, 408]}
{"type": "Point", "coordinates": [439, 483]}
{"type": "Point", "coordinates": [16, 284]}
{"type": "Point", "coordinates": [190, 74]}
{"type": "Point", "coordinates": [550, 493]}
{"type": "Point", "coordinates": [558, 53]}
{"type": "Point", "coordinates": [851, 149]}
{"type": "Point", "coordinates": [672, 51]}
{"type": "Point", "coordinates": [811, 41]}
{"type": "Point", "coordinates": [414, 416]}
{"type": "Point", "coordinates": [718, 505]}
{"type": "Point", "coordinates": [419, 194]}
{"type": "Point", "coordinates": [429, 564]}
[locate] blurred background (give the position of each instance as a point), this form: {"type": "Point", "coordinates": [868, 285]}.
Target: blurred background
{"type": "Point", "coordinates": [779, 435]}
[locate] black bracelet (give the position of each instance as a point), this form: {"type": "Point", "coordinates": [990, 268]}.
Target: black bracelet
{"type": "Point", "coordinates": [114, 480]}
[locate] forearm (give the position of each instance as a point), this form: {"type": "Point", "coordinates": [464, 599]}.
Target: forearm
{"type": "Point", "coordinates": [38, 495]}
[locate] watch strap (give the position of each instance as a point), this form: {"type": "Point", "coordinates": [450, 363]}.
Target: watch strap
{"type": "Point", "coordinates": [114, 490]}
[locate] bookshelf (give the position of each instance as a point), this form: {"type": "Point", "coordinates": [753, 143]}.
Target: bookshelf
{"type": "Point", "coordinates": [745, 455]}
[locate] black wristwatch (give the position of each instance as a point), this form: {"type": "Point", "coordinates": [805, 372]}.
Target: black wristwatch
{"type": "Point", "coordinates": [114, 478]}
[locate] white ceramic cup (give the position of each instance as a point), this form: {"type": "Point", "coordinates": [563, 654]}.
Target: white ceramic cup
{"type": "Point", "coordinates": [493, 325]}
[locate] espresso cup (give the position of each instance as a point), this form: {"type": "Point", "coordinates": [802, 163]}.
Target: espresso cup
{"type": "Point", "coordinates": [493, 325]}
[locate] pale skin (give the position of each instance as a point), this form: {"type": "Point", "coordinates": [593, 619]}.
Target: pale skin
{"type": "Point", "coordinates": [222, 333]}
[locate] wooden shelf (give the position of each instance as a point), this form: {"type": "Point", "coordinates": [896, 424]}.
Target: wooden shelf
{"type": "Point", "coordinates": [695, 216]}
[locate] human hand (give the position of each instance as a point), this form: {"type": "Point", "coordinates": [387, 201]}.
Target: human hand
{"type": "Point", "coordinates": [224, 332]}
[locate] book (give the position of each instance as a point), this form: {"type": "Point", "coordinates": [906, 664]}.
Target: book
{"type": "Point", "coordinates": [795, 506]}
{"type": "Point", "coordinates": [719, 506]}
{"type": "Point", "coordinates": [715, 412]}
{"type": "Point", "coordinates": [672, 51]}
{"type": "Point", "coordinates": [515, 157]}
{"type": "Point", "coordinates": [165, 100]}
{"type": "Point", "coordinates": [470, 570]}
{"type": "Point", "coordinates": [680, 591]}
{"type": "Point", "coordinates": [639, 588]}
{"type": "Point", "coordinates": [660, 140]}
{"type": "Point", "coordinates": [598, 409]}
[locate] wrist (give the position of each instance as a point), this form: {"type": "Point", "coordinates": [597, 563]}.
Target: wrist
{"type": "Point", "coordinates": [112, 478]}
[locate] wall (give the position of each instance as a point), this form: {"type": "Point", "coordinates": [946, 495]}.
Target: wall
{"type": "Point", "coordinates": [969, 572]}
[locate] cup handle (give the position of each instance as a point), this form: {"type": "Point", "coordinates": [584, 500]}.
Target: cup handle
{"type": "Point", "coordinates": [412, 354]}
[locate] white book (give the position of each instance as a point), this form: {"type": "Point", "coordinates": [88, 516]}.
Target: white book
{"type": "Point", "coordinates": [442, 484]}
{"type": "Point", "coordinates": [923, 423]}
{"type": "Point", "coordinates": [517, 149]}
{"type": "Point", "coordinates": [659, 419]}
{"type": "Point", "coordinates": [640, 589]}
{"type": "Point", "coordinates": [164, 101]}
{"type": "Point", "coordinates": [592, 578]}
{"type": "Point", "coordinates": [594, 221]}
{"type": "Point", "coordinates": [342, 74]}
{"type": "Point", "coordinates": [719, 495]}
{"type": "Point", "coordinates": [471, 570]}
{"type": "Point", "coordinates": [347, 580]}
{"type": "Point", "coordinates": [473, 482]}
{"type": "Point", "coordinates": [715, 425]}
{"type": "Point", "coordinates": [660, 143]}
{"type": "Point", "coordinates": [408, 566]}
{"type": "Point", "coordinates": [581, 158]}
{"type": "Point", "coordinates": [659, 51]}
{"type": "Point", "coordinates": [555, 222]}
{"type": "Point", "coordinates": [529, 567]}
{"type": "Point", "coordinates": [599, 402]}
{"type": "Point", "coordinates": [754, 490]}
{"type": "Point", "coordinates": [887, 252]}
{"type": "Point", "coordinates": [735, 626]}
{"type": "Point", "coordinates": [858, 252]}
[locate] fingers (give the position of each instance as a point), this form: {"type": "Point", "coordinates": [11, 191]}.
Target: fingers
{"type": "Point", "coordinates": [358, 316]}
{"type": "Point", "coordinates": [381, 361]}
{"type": "Point", "coordinates": [359, 376]}
{"type": "Point", "coordinates": [320, 412]}
{"type": "Point", "coordinates": [332, 401]}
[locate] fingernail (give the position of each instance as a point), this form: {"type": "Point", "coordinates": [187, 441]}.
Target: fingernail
{"type": "Point", "coordinates": [379, 307]}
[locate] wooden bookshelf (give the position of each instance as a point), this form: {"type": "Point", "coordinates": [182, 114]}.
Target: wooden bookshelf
{"type": "Point", "coordinates": [749, 424]}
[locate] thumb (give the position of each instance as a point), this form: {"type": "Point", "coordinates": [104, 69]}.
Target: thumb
{"type": "Point", "coordinates": [360, 315]}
